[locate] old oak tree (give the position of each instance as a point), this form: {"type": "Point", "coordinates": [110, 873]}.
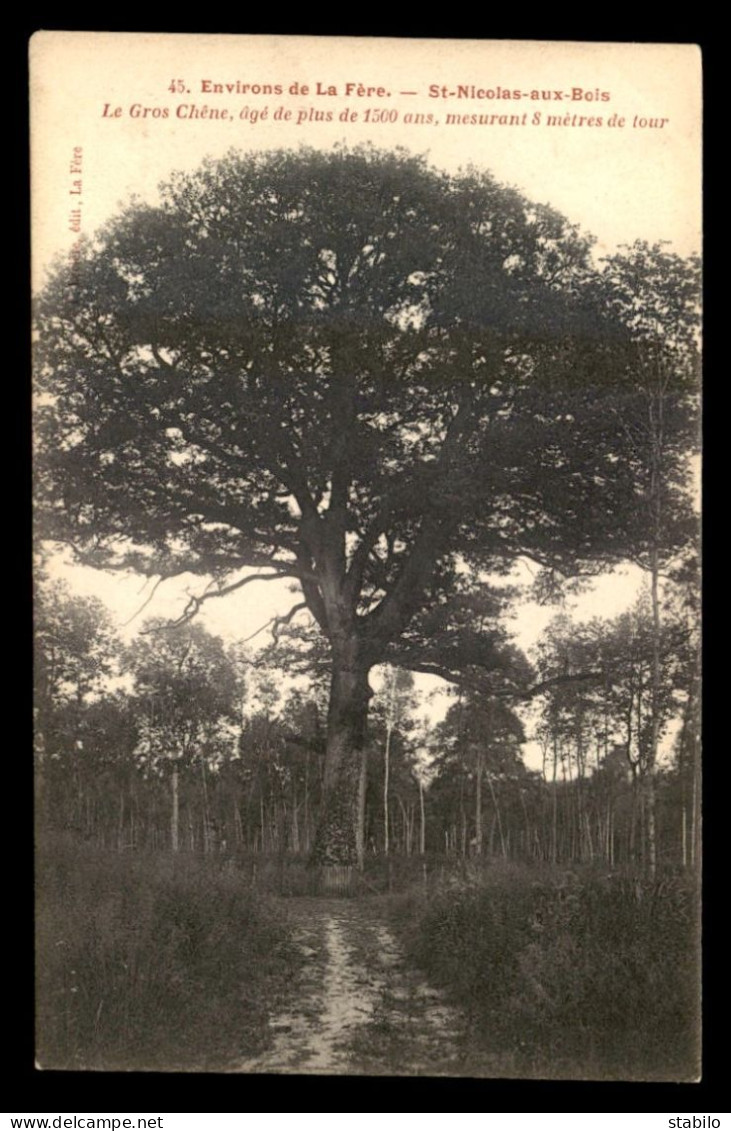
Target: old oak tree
{"type": "Point", "coordinates": [349, 370]}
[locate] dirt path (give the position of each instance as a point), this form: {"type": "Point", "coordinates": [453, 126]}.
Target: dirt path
{"type": "Point", "coordinates": [356, 1006]}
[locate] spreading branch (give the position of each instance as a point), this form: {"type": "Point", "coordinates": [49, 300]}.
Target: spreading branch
{"type": "Point", "coordinates": [275, 623]}
{"type": "Point", "coordinates": [148, 599]}
{"type": "Point", "coordinates": [196, 601]}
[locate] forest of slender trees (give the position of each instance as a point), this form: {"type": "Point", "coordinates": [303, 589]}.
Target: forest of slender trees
{"type": "Point", "coordinates": [179, 743]}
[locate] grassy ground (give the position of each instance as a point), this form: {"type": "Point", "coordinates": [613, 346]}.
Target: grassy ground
{"type": "Point", "coordinates": [564, 974]}
{"type": "Point", "coordinates": [152, 962]}
{"type": "Point", "coordinates": [156, 962]}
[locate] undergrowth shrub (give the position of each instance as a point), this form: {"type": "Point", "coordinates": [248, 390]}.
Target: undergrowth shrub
{"type": "Point", "coordinates": [151, 962]}
{"type": "Point", "coordinates": [568, 975]}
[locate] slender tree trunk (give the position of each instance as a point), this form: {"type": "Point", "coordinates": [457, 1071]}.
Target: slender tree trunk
{"type": "Point", "coordinates": [120, 825]}
{"type": "Point", "coordinates": [554, 814]}
{"type": "Point", "coordinates": [295, 831]}
{"type": "Point", "coordinates": [478, 804]}
{"type": "Point", "coordinates": [175, 818]}
{"type": "Point", "coordinates": [529, 839]}
{"type": "Point", "coordinates": [463, 818]}
{"type": "Point", "coordinates": [582, 820]}
{"type": "Point", "coordinates": [361, 810]}
{"type": "Point", "coordinates": [589, 841]}
{"type": "Point", "coordinates": [206, 814]}
{"type": "Point", "coordinates": [386, 774]}
{"type": "Point", "coordinates": [42, 807]}
{"type": "Point", "coordinates": [404, 827]}
{"type": "Point", "coordinates": [422, 816]}
{"type": "Point", "coordinates": [633, 819]}
{"type": "Point", "coordinates": [493, 794]}
{"type": "Point", "coordinates": [655, 720]}
{"type": "Point", "coordinates": [133, 818]}
{"type": "Point", "coordinates": [695, 811]}
{"type": "Point", "coordinates": [306, 815]}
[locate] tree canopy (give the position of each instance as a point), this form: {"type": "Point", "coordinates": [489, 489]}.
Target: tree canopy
{"type": "Point", "coordinates": [303, 352]}
{"type": "Point", "coordinates": [347, 369]}
{"type": "Point", "coordinates": [187, 688]}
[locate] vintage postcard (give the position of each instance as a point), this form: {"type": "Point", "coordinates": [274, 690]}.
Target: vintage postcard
{"type": "Point", "coordinates": [366, 387]}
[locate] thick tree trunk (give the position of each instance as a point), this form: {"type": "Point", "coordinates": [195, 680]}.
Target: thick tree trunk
{"type": "Point", "coordinates": [336, 837]}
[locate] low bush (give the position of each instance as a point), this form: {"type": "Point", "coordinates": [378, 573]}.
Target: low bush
{"type": "Point", "coordinates": [567, 976]}
{"type": "Point", "coordinates": [151, 962]}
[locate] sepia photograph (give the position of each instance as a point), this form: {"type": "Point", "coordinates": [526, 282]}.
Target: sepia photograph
{"type": "Point", "coordinates": [366, 390]}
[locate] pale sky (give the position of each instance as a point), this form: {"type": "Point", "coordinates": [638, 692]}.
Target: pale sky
{"type": "Point", "coordinates": [236, 617]}
{"type": "Point", "coordinates": [621, 158]}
